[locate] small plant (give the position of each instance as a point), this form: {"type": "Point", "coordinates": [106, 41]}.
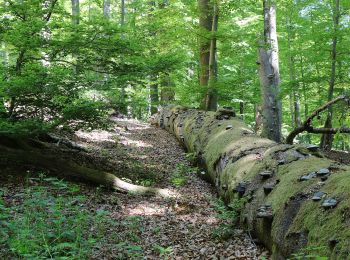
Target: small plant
{"type": "Point", "coordinates": [191, 157]}
{"type": "Point", "coordinates": [163, 251]}
{"type": "Point", "coordinates": [310, 253]}
{"type": "Point", "coordinates": [50, 223]}
{"type": "Point", "coordinates": [228, 215]}
{"type": "Point", "coordinates": [179, 176]}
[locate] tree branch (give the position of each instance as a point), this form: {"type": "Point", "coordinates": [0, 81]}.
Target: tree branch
{"type": "Point", "coordinates": [306, 126]}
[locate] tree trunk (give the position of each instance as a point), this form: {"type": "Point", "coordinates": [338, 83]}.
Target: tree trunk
{"type": "Point", "coordinates": [273, 181]}
{"type": "Point", "coordinates": [23, 152]}
{"type": "Point", "coordinates": [167, 93]}
{"type": "Point", "coordinates": [211, 98]}
{"type": "Point", "coordinates": [154, 94]}
{"type": "Point", "coordinates": [205, 26]}
{"type": "Point", "coordinates": [306, 102]}
{"type": "Point", "coordinates": [327, 139]}
{"type": "Point", "coordinates": [241, 109]}
{"type": "Point", "coordinates": [258, 118]}
{"type": "Point", "coordinates": [107, 8]}
{"type": "Point", "coordinates": [294, 95]}
{"type": "Point", "coordinates": [269, 76]}
{"type": "Point", "coordinates": [154, 97]}
{"type": "Point", "coordinates": [75, 12]}
{"type": "Point", "coordinates": [122, 13]}
{"type": "Point", "coordinates": [75, 22]}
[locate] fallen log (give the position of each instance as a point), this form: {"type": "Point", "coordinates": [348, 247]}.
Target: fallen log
{"type": "Point", "coordinates": [295, 198]}
{"type": "Point", "coordinates": [46, 156]}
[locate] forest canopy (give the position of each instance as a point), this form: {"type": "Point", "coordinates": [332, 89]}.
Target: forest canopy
{"type": "Point", "coordinates": [67, 64]}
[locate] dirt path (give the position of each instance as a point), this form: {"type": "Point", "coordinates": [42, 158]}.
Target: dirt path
{"type": "Point", "coordinates": [194, 225]}
{"type": "Point", "coordinates": [187, 227]}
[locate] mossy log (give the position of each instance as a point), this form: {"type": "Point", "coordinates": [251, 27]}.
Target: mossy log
{"type": "Point", "coordinates": [18, 152]}
{"type": "Point", "coordinates": [278, 181]}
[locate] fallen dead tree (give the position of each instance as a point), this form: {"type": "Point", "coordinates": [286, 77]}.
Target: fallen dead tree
{"type": "Point", "coordinates": [47, 156]}
{"type": "Point", "coordinates": [294, 197]}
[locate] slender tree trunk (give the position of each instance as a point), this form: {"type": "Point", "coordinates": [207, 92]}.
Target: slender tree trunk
{"type": "Point", "coordinates": [241, 109]}
{"type": "Point", "coordinates": [205, 25]}
{"type": "Point", "coordinates": [154, 95]}
{"type": "Point", "coordinates": [5, 56]}
{"type": "Point", "coordinates": [258, 118]}
{"type": "Point", "coordinates": [294, 95]}
{"type": "Point", "coordinates": [327, 139]}
{"type": "Point", "coordinates": [75, 12]}
{"type": "Point", "coordinates": [123, 96]}
{"type": "Point", "coordinates": [211, 99]}
{"type": "Point", "coordinates": [122, 13]}
{"type": "Point", "coordinates": [5, 62]}
{"type": "Point", "coordinates": [167, 94]}
{"type": "Point", "coordinates": [291, 108]}
{"type": "Point", "coordinates": [75, 22]}
{"type": "Point", "coordinates": [306, 104]}
{"type": "Point", "coordinates": [107, 8]}
{"type": "Point", "coordinates": [269, 75]}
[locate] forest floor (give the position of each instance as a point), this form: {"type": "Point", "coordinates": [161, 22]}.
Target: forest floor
{"type": "Point", "coordinates": [81, 221]}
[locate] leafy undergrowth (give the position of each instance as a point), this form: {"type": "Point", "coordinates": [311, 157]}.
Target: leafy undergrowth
{"type": "Point", "coordinates": [46, 218]}
{"type": "Point", "coordinates": [49, 218]}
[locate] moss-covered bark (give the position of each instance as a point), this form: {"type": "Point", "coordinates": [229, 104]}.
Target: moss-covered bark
{"type": "Point", "coordinates": [280, 210]}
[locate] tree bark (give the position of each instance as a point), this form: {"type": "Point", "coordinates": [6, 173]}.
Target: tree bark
{"type": "Point", "coordinates": [23, 152]}
{"type": "Point", "coordinates": [268, 177]}
{"type": "Point", "coordinates": [153, 88]}
{"type": "Point", "coordinates": [205, 26]}
{"type": "Point", "coordinates": [107, 8]}
{"type": "Point", "coordinates": [75, 12]}
{"type": "Point", "coordinates": [327, 139]}
{"type": "Point", "coordinates": [122, 13]}
{"type": "Point", "coordinates": [75, 22]}
{"type": "Point", "coordinates": [211, 99]}
{"type": "Point", "coordinates": [167, 93]}
{"type": "Point", "coordinates": [269, 75]}
{"type": "Point", "coordinates": [154, 96]}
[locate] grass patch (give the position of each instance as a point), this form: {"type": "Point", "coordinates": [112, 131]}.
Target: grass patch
{"type": "Point", "coordinates": [228, 214]}
{"type": "Point", "coordinates": [179, 176]}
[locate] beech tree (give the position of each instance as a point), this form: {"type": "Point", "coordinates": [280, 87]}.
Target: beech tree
{"type": "Point", "coordinates": [327, 139]}
{"type": "Point", "coordinates": [269, 75]}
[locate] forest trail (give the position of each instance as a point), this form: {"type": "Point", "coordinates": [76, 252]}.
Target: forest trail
{"type": "Point", "coordinates": [179, 228]}
{"type": "Point", "coordinates": [190, 226]}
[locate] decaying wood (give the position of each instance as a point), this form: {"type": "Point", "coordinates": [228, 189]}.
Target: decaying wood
{"type": "Point", "coordinates": [277, 182]}
{"type": "Point", "coordinates": [50, 158]}
{"type": "Point", "coordinates": [306, 126]}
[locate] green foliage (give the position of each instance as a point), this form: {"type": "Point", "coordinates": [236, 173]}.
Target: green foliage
{"type": "Point", "coordinates": [45, 225]}
{"type": "Point", "coordinates": [179, 175]}
{"type": "Point", "coordinates": [163, 251]}
{"type": "Point", "coordinates": [228, 214]}
{"type": "Point", "coordinates": [58, 74]}
{"type": "Point", "coordinates": [309, 253]}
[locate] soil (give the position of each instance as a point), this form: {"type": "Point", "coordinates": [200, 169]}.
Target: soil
{"type": "Point", "coordinates": [146, 155]}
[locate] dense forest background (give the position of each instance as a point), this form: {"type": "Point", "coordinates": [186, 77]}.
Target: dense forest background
{"type": "Point", "coordinates": [67, 64]}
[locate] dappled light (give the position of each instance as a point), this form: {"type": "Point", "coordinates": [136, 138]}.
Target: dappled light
{"type": "Point", "coordinates": [174, 129]}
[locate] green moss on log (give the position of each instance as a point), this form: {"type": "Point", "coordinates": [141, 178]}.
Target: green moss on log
{"type": "Point", "coordinates": [237, 162]}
